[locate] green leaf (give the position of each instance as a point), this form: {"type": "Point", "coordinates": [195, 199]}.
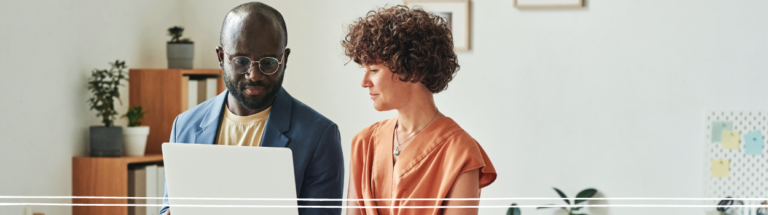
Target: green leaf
{"type": "Point", "coordinates": [578, 214]}
{"type": "Point", "coordinates": [562, 195]}
{"type": "Point", "coordinates": [545, 207]}
{"type": "Point", "coordinates": [586, 193]}
{"type": "Point", "coordinates": [513, 210]}
{"type": "Point", "coordinates": [575, 209]}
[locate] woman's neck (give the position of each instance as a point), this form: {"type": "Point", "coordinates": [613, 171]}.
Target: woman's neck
{"type": "Point", "coordinates": [417, 113]}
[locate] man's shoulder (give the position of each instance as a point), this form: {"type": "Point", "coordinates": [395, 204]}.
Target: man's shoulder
{"type": "Point", "coordinates": [304, 114]}
{"type": "Point", "coordinates": [195, 115]}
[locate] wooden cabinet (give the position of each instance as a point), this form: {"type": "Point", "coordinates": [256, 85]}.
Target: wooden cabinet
{"type": "Point", "coordinates": [104, 176]}
{"type": "Point", "coordinates": [164, 93]}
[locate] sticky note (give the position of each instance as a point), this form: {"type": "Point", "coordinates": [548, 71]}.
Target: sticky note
{"type": "Point", "coordinates": [717, 129]}
{"type": "Point", "coordinates": [731, 139]}
{"type": "Point", "coordinates": [753, 143]}
{"type": "Point", "coordinates": [720, 167]}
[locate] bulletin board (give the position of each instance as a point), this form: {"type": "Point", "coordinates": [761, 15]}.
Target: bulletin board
{"type": "Point", "coordinates": [747, 171]}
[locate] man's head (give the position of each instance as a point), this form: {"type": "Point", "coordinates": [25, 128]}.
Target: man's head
{"type": "Point", "coordinates": [256, 31]}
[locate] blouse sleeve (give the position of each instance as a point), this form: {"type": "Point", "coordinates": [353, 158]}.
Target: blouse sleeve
{"type": "Point", "coordinates": [474, 157]}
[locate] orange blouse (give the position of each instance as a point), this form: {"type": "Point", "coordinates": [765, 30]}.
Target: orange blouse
{"type": "Point", "coordinates": [426, 169]}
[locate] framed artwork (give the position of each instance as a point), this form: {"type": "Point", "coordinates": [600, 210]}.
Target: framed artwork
{"type": "Point", "coordinates": [456, 12]}
{"type": "Point", "coordinates": [548, 3]}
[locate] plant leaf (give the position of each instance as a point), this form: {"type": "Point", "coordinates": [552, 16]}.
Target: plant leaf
{"type": "Point", "coordinates": [545, 207]}
{"type": "Point", "coordinates": [562, 195]}
{"type": "Point", "coordinates": [586, 193]}
{"type": "Point", "coordinates": [513, 210]}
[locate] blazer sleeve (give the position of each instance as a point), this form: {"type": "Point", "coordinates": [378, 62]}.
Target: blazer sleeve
{"type": "Point", "coordinates": [324, 176]}
{"type": "Point", "coordinates": [165, 210]}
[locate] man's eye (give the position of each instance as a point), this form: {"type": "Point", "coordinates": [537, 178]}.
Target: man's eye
{"type": "Point", "coordinates": [242, 61]}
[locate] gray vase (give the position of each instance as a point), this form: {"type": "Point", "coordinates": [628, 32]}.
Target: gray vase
{"type": "Point", "coordinates": [180, 55]}
{"type": "Point", "coordinates": [106, 141]}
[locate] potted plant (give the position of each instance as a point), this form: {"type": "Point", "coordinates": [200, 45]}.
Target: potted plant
{"type": "Point", "coordinates": [135, 135]}
{"type": "Point", "coordinates": [573, 209]}
{"type": "Point", "coordinates": [107, 140]}
{"type": "Point", "coordinates": [180, 51]}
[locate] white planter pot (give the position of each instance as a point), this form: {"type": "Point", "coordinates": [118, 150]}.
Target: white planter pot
{"type": "Point", "coordinates": [135, 140]}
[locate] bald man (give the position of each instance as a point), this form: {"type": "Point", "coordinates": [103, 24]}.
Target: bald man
{"type": "Point", "coordinates": [256, 110]}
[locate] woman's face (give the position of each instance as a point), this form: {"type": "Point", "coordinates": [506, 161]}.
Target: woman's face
{"type": "Point", "coordinates": [386, 90]}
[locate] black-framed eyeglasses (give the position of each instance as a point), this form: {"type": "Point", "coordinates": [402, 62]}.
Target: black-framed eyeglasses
{"type": "Point", "coordinates": [243, 64]}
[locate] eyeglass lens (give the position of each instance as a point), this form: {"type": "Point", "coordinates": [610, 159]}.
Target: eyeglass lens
{"type": "Point", "coordinates": [267, 65]}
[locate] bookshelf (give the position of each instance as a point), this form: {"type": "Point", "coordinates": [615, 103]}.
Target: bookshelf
{"type": "Point", "coordinates": [163, 93]}
{"type": "Point", "coordinates": [104, 176]}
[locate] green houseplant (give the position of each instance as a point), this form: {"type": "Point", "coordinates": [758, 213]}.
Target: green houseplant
{"type": "Point", "coordinates": [135, 135]}
{"type": "Point", "coordinates": [107, 140]}
{"type": "Point", "coordinates": [572, 210]}
{"type": "Point", "coordinates": [180, 51]}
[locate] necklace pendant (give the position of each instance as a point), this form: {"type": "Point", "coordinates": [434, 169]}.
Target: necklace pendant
{"type": "Point", "coordinates": [397, 151]}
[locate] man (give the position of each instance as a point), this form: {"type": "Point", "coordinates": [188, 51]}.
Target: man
{"type": "Point", "coordinates": [256, 111]}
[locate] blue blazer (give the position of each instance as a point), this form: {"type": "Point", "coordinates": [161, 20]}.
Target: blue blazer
{"type": "Point", "coordinates": [318, 162]}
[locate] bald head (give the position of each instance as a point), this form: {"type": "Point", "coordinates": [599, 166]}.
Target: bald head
{"type": "Point", "coordinates": [252, 15]}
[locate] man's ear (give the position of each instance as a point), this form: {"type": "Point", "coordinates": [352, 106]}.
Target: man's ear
{"type": "Point", "coordinates": [220, 55]}
{"type": "Point", "coordinates": [285, 58]}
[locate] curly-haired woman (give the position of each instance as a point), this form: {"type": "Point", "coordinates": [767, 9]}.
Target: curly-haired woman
{"type": "Point", "coordinates": [408, 56]}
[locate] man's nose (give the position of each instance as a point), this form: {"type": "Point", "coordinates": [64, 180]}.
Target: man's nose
{"type": "Point", "coordinates": [253, 73]}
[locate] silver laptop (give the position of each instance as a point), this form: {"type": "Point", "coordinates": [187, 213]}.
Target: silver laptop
{"type": "Point", "coordinates": [214, 171]}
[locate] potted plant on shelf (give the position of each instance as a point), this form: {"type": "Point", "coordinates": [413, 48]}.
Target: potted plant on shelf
{"type": "Point", "coordinates": [135, 135]}
{"type": "Point", "coordinates": [107, 140]}
{"type": "Point", "coordinates": [180, 51]}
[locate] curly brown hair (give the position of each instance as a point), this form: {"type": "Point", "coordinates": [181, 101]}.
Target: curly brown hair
{"type": "Point", "coordinates": [412, 43]}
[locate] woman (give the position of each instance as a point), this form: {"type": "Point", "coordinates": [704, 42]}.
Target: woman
{"type": "Point", "coordinates": [408, 56]}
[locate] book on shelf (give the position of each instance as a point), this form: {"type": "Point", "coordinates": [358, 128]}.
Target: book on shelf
{"type": "Point", "coordinates": [200, 89]}
{"type": "Point", "coordinates": [146, 181]}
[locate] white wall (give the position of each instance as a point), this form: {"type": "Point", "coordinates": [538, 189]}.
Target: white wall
{"type": "Point", "coordinates": [47, 50]}
{"type": "Point", "coordinates": [610, 96]}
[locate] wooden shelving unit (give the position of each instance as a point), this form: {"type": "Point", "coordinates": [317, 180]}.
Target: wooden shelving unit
{"type": "Point", "coordinates": [104, 176]}
{"type": "Point", "coordinates": [163, 93]}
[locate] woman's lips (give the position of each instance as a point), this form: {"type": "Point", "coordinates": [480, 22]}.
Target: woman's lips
{"type": "Point", "coordinates": [373, 95]}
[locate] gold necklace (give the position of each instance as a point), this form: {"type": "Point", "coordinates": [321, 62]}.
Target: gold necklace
{"type": "Point", "coordinates": [397, 148]}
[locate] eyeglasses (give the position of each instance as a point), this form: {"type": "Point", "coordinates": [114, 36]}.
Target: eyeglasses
{"type": "Point", "coordinates": [243, 64]}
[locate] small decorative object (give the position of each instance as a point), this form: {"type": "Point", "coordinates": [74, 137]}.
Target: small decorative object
{"type": "Point", "coordinates": [455, 12]}
{"type": "Point", "coordinates": [727, 206]}
{"type": "Point", "coordinates": [549, 3]}
{"type": "Point", "coordinates": [107, 140]}
{"type": "Point", "coordinates": [135, 135]}
{"type": "Point", "coordinates": [180, 51]}
{"type": "Point", "coordinates": [573, 209]}
{"type": "Point", "coordinates": [514, 210]}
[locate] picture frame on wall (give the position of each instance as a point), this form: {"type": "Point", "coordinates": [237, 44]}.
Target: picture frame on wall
{"type": "Point", "coordinates": [548, 3]}
{"type": "Point", "coordinates": [456, 13]}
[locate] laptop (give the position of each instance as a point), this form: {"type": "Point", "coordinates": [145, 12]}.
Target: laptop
{"type": "Point", "coordinates": [215, 171]}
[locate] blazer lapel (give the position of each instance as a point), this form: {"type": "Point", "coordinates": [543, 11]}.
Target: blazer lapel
{"type": "Point", "coordinates": [210, 123]}
{"type": "Point", "coordinates": [279, 121]}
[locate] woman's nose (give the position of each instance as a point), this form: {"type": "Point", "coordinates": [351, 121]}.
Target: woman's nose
{"type": "Point", "coordinates": [365, 83]}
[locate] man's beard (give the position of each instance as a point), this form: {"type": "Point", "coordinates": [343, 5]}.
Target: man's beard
{"type": "Point", "coordinates": [252, 102]}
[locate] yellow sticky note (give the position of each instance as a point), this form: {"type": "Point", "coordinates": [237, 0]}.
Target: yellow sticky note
{"type": "Point", "coordinates": [720, 168]}
{"type": "Point", "coordinates": [731, 139]}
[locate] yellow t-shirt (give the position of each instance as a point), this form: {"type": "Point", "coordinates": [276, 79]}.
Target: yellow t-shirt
{"type": "Point", "coordinates": [242, 130]}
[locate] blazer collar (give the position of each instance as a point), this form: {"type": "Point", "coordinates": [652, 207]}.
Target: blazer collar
{"type": "Point", "coordinates": [278, 123]}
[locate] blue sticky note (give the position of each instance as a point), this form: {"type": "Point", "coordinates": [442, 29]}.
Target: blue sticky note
{"type": "Point", "coordinates": [753, 143]}
{"type": "Point", "coordinates": [717, 129]}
